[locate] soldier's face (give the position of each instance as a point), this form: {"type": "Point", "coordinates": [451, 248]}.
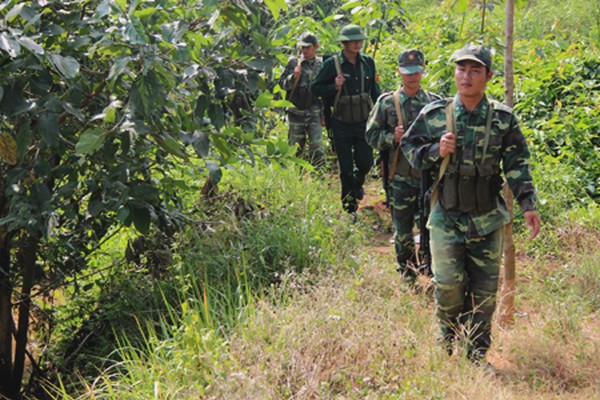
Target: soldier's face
{"type": "Point", "coordinates": [471, 78]}
{"type": "Point", "coordinates": [353, 46]}
{"type": "Point", "coordinates": [308, 51]}
{"type": "Point", "coordinates": [412, 82]}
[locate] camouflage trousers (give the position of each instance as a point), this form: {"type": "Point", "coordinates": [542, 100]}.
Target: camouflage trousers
{"type": "Point", "coordinates": [404, 207]}
{"type": "Point", "coordinates": [305, 124]}
{"type": "Point", "coordinates": [465, 271]}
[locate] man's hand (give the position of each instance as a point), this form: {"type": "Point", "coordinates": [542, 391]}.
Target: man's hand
{"type": "Point", "coordinates": [339, 81]}
{"type": "Point", "coordinates": [532, 219]}
{"type": "Point", "coordinates": [398, 133]}
{"type": "Point", "coordinates": [447, 144]}
{"type": "Point", "coordinates": [298, 70]}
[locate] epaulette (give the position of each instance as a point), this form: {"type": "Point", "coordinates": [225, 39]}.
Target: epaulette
{"type": "Point", "coordinates": [498, 105]}
{"type": "Point", "coordinates": [435, 105]}
{"type": "Point", "coordinates": [384, 95]}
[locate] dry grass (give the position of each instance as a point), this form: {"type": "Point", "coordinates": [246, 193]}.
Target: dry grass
{"type": "Point", "coordinates": [363, 335]}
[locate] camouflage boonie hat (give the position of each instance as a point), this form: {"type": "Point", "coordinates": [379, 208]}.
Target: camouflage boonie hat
{"type": "Point", "coordinates": [308, 39]}
{"type": "Point", "coordinates": [352, 32]}
{"type": "Point", "coordinates": [478, 53]}
{"type": "Point", "coordinates": [411, 62]}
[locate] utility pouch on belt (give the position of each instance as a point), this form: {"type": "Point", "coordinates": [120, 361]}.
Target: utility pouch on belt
{"type": "Point", "coordinates": [353, 108]}
{"type": "Point", "coordinates": [301, 97]}
{"type": "Point", "coordinates": [449, 189]}
{"type": "Point", "coordinates": [466, 188]}
{"type": "Point", "coordinates": [405, 169]}
{"type": "Point", "coordinates": [489, 184]}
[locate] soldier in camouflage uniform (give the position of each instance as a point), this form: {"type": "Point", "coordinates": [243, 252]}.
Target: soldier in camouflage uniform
{"type": "Point", "coordinates": [480, 140]}
{"type": "Point", "coordinates": [352, 91]}
{"type": "Point", "coordinates": [384, 134]}
{"type": "Point", "coordinates": [305, 118]}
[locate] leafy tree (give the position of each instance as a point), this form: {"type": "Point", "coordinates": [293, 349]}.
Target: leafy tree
{"type": "Point", "coordinates": [99, 100]}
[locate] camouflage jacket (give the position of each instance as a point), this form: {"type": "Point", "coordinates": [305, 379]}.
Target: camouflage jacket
{"type": "Point", "coordinates": [383, 119]}
{"type": "Point", "coordinates": [299, 93]}
{"type": "Point", "coordinates": [507, 152]}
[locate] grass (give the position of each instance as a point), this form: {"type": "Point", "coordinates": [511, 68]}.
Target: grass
{"type": "Point", "coordinates": [353, 331]}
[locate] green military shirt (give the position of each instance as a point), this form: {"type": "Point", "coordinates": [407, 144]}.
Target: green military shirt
{"type": "Point", "coordinates": [324, 83]}
{"type": "Point", "coordinates": [299, 93]}
{"type": "Point", "coordinates": [506, 150]}
{"type": "Point", "coordinates": [383, 119]}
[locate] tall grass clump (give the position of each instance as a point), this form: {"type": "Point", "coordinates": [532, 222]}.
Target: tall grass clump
{"type": "Point", "coordinates": [267, 227]}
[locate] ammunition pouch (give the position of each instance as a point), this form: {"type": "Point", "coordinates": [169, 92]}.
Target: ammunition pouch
{"type": "Point", "coordinates": [403, 167]}
{"type": "Point", "coordinates": [468, 188]}
{"type": "Point", "coordinates": [301, 98]}
{"type": "Point", "coordinates": [353, 108]}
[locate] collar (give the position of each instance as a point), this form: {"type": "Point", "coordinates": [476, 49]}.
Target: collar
{"type": "Point", "coordinates": [480, 109]}
{"type": "Point", "coordinates": [343, 59]}
{"type": "Point", "coordinates": [419, 96]}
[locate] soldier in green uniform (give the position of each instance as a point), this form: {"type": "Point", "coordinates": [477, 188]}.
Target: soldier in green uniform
{"type": "Point", "coordinates": [348, 81]}
{"type": "Point", "coordinates": [305, 117]}
{"type": "Point", "coordinates": [469, 141]}
{"type": "Point", "coordinates": [384, 131]}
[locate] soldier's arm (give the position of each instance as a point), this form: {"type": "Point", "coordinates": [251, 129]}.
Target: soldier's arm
{"type": "Point", "coordinates": [420, 144]}
{"type": "Point", "coordinates": [516, 165]}
{"type": "Point", "coordinates": [379, 134]}
{"type": "Point", "coordinates": [286, 81]}
{"type": "Point", "coordinates": [376, 89]}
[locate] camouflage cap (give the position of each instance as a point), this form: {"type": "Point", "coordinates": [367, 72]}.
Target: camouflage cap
{"type": "Point", "coordinates": [411, 62]}
{"type": "Point", "coordinates": [352, 32]}
{"type": "Point", "coordinates": [308, 39]}
{"type": "Point", "coordinates": [473, 52]}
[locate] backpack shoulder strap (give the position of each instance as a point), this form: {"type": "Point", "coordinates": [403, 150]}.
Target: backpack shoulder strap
{"type": "Point", "coordinates": [338, 69]}
{"type": "Point", "coordinates": [399, 113]}
{"type": "Point", "coordinates": [450, 127]}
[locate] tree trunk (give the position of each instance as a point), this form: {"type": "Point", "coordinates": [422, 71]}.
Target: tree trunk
{"type": "Point", "coordinates": [28, 259]}
{"type": "Point", "coordinates": [507, 294]}
{"type": "Point", "coordinates": [6, 323]}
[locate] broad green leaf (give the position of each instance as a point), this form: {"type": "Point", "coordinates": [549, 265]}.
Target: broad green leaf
{"type": "Point", "coordinates": [48, 129]}
{"type": "Point", "coordinates": [74, 111]}
{"type": "Point", "coordinates": [102, 10]}
{"type": "Point", "coordinates": [141, 219]}
{"type": "Point", "coordinates": [23, 139]}
{"type": "Point", "coordinates": [216, 115]}
{"type": "Point", "coordinates": [201, 107]}
{"type": "Point", "coordinates": [134, 33]}
{"type": "Point", "coordinates": [215, 171]}
{"type": "Point", "coordinates": [124, 215]}
{"type": "Point", "coordinates": [67, 66]}
{"type": "Point", "coordinates": [9, 45]}
{"type": "Point", "coordinates": [169, 144]}
{"type": "Point", "coordinates": [275, 6]}
{"type": "Point", "coordinates": [95, 207]}
{"type": "Point", "coordinates": [40, 195]}
{"type": "Point", "coordinates": [14, 12]}
{"type": "Point", "coordinates": [118, 68]}
{"type": "Point", "coordinates": [264, 100]}
{"type": "Point", "coordinates": [31, 45]}
{"type": "Point", "coordinates": [90, 141]}
{"type": "Point", "coordinates": [462, 6]}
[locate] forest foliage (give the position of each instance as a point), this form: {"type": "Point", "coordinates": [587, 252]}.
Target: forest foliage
{"type": "Point", "coordinates": [117, 114]}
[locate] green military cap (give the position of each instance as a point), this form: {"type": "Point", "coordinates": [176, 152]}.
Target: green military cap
{"type": "Point", "coordinates": [308, 39]}
{"type": "Point", "coordinates": [473, 52]}
{"type": "Point", "coordinates": [411, 62]}
{"type": "Point", "coordinates": [352, 32]}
